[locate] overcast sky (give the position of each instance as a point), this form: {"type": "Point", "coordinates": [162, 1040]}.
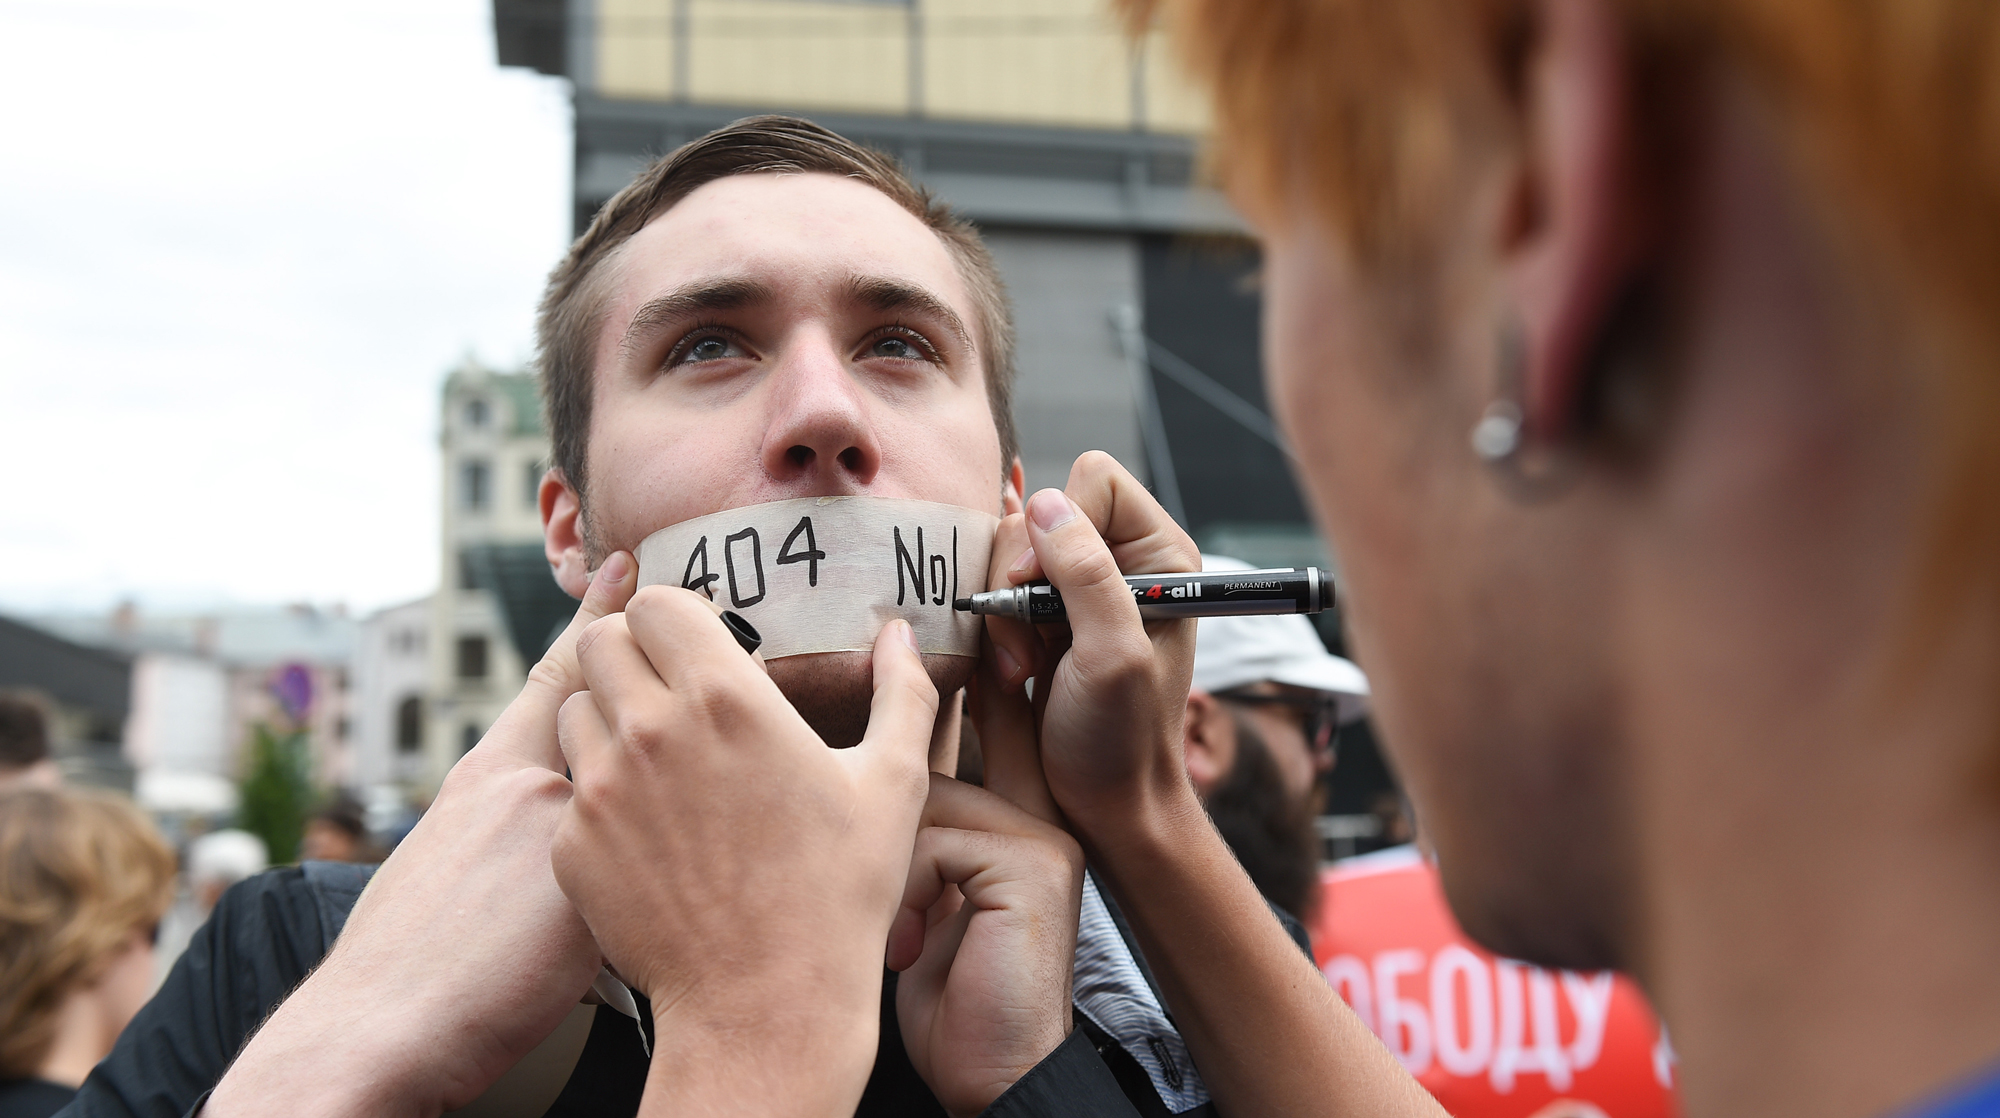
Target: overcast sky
{"type": "Point", "coordinates": [240, 245]}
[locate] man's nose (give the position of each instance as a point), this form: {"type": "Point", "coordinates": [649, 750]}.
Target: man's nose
{"type": "Point", "coordinates": [819, 430]}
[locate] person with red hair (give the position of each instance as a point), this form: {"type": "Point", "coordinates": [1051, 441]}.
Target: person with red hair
{"type": "Point", "coordinates": [1642, 362]}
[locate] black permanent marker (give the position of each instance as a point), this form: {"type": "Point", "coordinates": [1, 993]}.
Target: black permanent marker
{"type": "Point", "coordinates": [1201, 594]}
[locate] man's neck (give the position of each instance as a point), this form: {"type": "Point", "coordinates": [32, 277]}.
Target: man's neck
{"type": "Point", "coordinates": [80, 1041]}
{"type": "Point", "coordinates": [1811, 777]}
{"type": "Point", "coordinates": [1824, 916]}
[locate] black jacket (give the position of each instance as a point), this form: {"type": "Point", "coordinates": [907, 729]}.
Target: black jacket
{"type": "Point", "coordinates": [267, 934]}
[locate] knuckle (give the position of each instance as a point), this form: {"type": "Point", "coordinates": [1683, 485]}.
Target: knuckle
{"type": "Point", "coordinates": [594, 634]}
{"type": "Point", "coordinates": [551, 673]}
{"type": "Point", "coordinates": [1093, 565]}
{"type": "Point", "coordinates": [590, 799]}
{"type": "Point", "coordinates": [651, 602]}
{"type": "Point", "coordinates": [531, 789]}
{"type": "Point", "coordinates": [1120, 665]}
{"type": "Point", "coordinates": [712, 699]}
{"type": "Point", "coordinates": [1092, 464]}
{"type": "Point", "coordinates": [637, 737]}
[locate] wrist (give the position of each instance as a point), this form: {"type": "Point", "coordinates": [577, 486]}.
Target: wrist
{"type": "Point", "coordinates": [289, 1059]}
{"type": "Point", "coordinates": [1153, 827]}
{"type": "Point", "coordinates": [717, 1060]}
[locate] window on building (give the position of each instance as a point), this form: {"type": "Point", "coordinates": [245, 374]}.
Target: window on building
{"type": "Point", "coordinates": [475, 485]}
{"type": "Point", "coordinates": [477, 412]}
{"type": "Point", "coordinates": [532, 491]}
{"type": "Point", "coordinates": [469, 737]}
{"type": "Point", "coordinates": [472, 657]}
{"type": "Point", "coordinates": [410, 724]}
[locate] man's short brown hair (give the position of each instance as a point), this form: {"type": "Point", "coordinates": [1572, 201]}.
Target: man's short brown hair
{"type": "Point", "coordinates": [573, 308]}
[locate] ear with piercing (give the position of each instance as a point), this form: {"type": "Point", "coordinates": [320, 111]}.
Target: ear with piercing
{"type": "Point", "coordinates": [1528, 471]}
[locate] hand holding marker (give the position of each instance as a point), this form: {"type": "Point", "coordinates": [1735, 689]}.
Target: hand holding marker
{"type": "Point", "coordinates": [1199, 594]}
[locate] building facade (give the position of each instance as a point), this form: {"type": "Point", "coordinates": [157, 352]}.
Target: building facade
{"type": "Point", "coordinates": [195, 686]}
{"type": "Point", "coordinates": [496, 606]}
{"type": "Point", "coordinates": [391, 697]}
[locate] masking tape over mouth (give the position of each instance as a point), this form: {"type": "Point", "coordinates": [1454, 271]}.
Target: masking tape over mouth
{"type": "Point", "coordinates": [824, 574]}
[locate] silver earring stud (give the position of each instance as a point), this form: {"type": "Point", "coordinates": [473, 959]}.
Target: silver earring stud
{"type": "Point", "coordinates": [1500, 438]}
{"type": "Point", "coordinates": [1497, 435]}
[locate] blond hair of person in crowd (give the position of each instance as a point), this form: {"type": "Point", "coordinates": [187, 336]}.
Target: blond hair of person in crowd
{"type": "Point", "coordinates": [84, 879]}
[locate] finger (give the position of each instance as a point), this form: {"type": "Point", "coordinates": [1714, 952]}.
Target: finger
{"type": "Point", "coordinates": [683, 635]}
{"type": "Point", "coordinates": [938, 854]}
{"type": "Point", "coordinates": [990, 869]}
{"type": "Point", "coordinates": [896, 747]}
{"type": "Point", "coordinates": [623, 683]}
{"type": "Point", "coordinates": [1014, 642]}
{"type": "Point", "coordinates": [906, 939]}
{"type": "Point", "coordinates": [582, 733]}
{"type": "Point", "coordinates": [1104, 622]}
{"type": "Point", "coordinates": [954, 803]}
{"type": "Point", "coordinates": [1009, 745]}
{"type": "Point", "coordinates": [526, 731]}
{"type": "Point", "coordinates": [1013, 561]}
{"type": "Point", "coordinates": [1142, 537]}
{"type": "Point", "coordinates": [919, 910]}
{"type": "Point", "coordinates": [943, 931]}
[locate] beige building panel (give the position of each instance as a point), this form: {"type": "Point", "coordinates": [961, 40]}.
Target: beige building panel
{"type": "Point", "coordinates": [1173, 103]}
{"type": "Point", "coordinates": [635, 49]}
{"type": "Point", "coordinates": [1053, 62]}
{"type": "Point", "coordinates": [804, 55]}
{"type": "Point", "coordinates": [1050, 62]}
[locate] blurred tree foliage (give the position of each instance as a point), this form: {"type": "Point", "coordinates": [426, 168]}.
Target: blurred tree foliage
{"type": "Point", "coordinates": [277, 790]}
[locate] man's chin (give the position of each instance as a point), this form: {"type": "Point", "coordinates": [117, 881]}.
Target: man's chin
{"type": "Point", "coordinates": [833, 691]}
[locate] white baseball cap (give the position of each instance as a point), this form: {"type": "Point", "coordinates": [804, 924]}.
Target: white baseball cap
{"type": "Point", "coordinates": [226, 857]}
{"type": "Point", "coordinates": [1232, 652]}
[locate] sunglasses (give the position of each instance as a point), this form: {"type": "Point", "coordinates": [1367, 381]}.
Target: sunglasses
{"type": "Point", "coordinates": [1319, 712]}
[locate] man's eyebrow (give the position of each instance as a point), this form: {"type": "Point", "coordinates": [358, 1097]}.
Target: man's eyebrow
{"type": "Point", "coordinates": [686, 302]}
{"type": "Point", "coordinates": [895, 295]}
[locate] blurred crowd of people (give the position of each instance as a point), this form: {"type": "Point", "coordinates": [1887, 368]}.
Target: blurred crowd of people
{"type": "Point", "coordinates": [95, 907]}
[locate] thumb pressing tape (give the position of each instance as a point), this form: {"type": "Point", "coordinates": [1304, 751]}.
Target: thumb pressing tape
{"type": "Point", "coordinates": [824, 574]}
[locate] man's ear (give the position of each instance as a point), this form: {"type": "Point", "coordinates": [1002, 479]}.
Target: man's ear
{"type": "Point", "coordinates": [1578, 226]}
{"type": "Point", "coordinates": [1208, 743]}
{"type": "Point", "coordinates": [1014, 490]}
{"type": "Point", "coordinates": [562, 533]}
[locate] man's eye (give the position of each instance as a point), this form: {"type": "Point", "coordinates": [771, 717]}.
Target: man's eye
{"type": "Point", "coordinates": [712, 348]}
{"type": "Point", "coordinates": [893, 346]}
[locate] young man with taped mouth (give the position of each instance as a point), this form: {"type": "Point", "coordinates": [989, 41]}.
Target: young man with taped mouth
{"type": "Point", "coordinates": [773, 315]}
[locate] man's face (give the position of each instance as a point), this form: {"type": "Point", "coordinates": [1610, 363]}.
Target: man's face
{"type": "Point", "coordinates": [1478, 623]}
{"type": "Point", "coordinates": [1300, 748]}
{"type": "Point", "coordinates": [782, 336]}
